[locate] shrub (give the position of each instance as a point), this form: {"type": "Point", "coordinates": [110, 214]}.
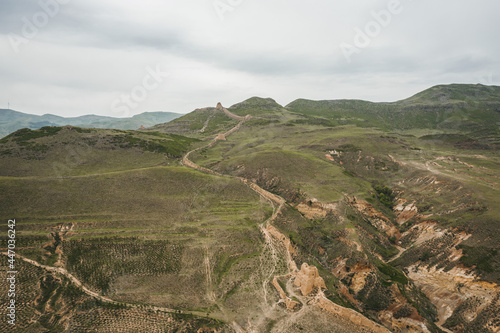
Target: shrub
{"type": "Point", "coordinates": [385, 195]}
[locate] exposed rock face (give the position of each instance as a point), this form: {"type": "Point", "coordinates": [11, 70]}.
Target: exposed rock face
{"type": "Point", "coordinates": [330, 155]}
{"type": "Point", "coordinates": [207, 330]}
{"type": "Point", "coordinates": [404, 211]}
{"type": "Point", "coordinates": [219, 106]}
{"type": "Point", "coordinates": [376, 218]}
{"type": "Point", "coordinates": [447, 290]}
{"type": "Point", "coordinates": [408, 325]}
{"type": "Point", "coordinates": [359, 278]}
{"type": "Point", "coordinates": [308, 279]}
{"type": "Point", "coordinates": [429, 230]}
{"type": "Point", "coordinates": [278, 235]}
{"type": "Point", "coordinates": [313, 208]}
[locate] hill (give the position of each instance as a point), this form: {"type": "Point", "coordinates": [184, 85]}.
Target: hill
{"type": "Point", "coordinates": [11, 121]}
{"type": "Point", "coordinates": [469, 110]}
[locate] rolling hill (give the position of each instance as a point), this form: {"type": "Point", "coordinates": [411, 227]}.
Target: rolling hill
{"type": "Point", "coordinates": [471, 110]}
{"type": "Point", "coordinates": [319, 216]}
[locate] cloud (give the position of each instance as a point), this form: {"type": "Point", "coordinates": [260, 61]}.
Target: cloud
{"type": "Point", "coordinates": [92, 51]}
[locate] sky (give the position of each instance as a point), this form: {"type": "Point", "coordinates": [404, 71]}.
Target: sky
{"type": "Point", "coordinates": [122, 57]}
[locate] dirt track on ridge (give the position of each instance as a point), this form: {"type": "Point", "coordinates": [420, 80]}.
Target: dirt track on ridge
{"type": "Point", "coordinates": [271, 235]}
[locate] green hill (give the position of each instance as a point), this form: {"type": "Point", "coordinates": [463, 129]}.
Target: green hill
{"type": "Point", "coordinates": [470, 110]}
{"type": "Point", "coordinates": [256, 106]}
{"type": "Point", "coordinates": [199, 123]}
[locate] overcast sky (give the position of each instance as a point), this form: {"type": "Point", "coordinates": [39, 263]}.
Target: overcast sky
{"type": "Point", "coordinates": [124, 57]}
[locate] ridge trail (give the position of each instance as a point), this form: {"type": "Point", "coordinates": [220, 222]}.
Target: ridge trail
{"type": "Point", "coordinates": [269, 232]}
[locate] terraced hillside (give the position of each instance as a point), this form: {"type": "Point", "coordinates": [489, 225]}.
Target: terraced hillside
{"type": "Point", "coordinates": [317, 216]}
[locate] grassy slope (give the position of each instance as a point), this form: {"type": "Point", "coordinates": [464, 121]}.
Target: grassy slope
{"type": "Point", "coordinates": [140, 228]}
{"type": "Point", "coordinates": [191, 124]}
{"type": "Point", "coordinates": [465, 109]}
{"type": "Point", "coordinates": [69, 151]}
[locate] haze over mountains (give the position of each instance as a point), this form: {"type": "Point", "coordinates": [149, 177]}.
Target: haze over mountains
{"type": "Point", "coordinates": [318, 216]}
{"type": "Point", "coordinates": [11, 121]}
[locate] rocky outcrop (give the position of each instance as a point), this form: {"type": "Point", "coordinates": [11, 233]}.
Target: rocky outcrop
{"type": "Point", "coordinates": [404, 211]}
{"type": "Point", "coordinates": [448, 289]}
{"type": "Point", "coordinates": [408, 325]}
{"type": "Point", "coordinates": [312, 208]}
{"type": "Point", "coordinates": [359, 274]}
{"type": "Point", "coordinates": [308, 279]}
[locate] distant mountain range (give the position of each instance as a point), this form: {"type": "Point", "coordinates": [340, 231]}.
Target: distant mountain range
{"type": "Point", "coordinates": [11, 121]}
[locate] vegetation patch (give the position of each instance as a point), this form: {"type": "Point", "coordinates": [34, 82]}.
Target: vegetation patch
{"type": "Point", "coordinates": [99, 261]}
{"type": "Point", "coordinates": [395, 274]}
{"type": "Point", "coordinates": [315, 121]}
{"type": "Point", "coordinates": [172, 145]}
{"type": "Point", "coordinates": [482, 257]}
{"type": "Point", "coordinates": [385, 195]}
{"type": "Point", "coordinates": [25, 134]}
{"type": "Point", "coordinates": [374, 295]}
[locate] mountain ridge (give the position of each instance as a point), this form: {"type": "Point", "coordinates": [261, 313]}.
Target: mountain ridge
{"type": "Point", "coordinates": [11, 120]}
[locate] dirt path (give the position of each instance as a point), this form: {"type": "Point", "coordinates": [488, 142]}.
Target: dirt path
{"type": "Point", "coordinates": [274, 259]}
{"type": "Point", "coordinates": [208, 271]}
{"type": "Point", "coordinates": [275, 201]}
{"type": "Point", "coordinates": [271, 235]}
{"type": "Point", "coordinates": [401, 251]}
{"type": "Point", "coordinates": [87, 291]}
{"type": "Point", "coordinates": [205, 124]}
{"type": "Point", "coordinates": [95, 295]}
